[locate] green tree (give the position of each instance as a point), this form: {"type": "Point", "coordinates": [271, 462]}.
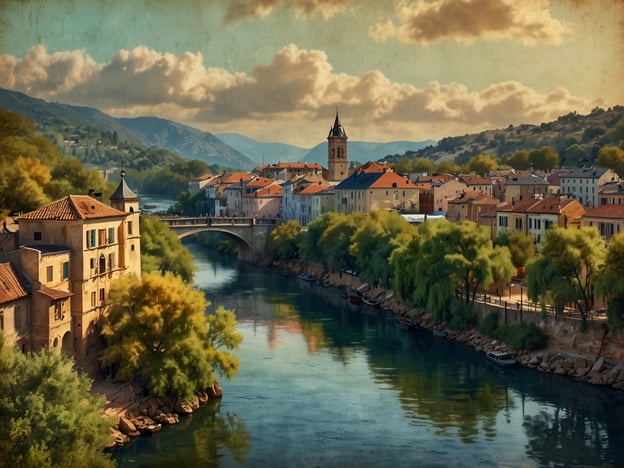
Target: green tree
{"type": "Point", "coordinates": [373, 242]}
{"type": "Point", "coordinates": [283, 241]}
{"type": "Point", "coordinates": [403, 166]}
{"type": "Point", "coordinates": [544, 159]}
{"type": "Point", "coordinates": [49, 417]}
{"type": "Point", "coordinates": [521, 246]}
{"type": "Point", "coordinates": [335, 241]}
{"type": "Point", "coordinates": [447, 167]}
{"type": "Point", "coordinates": [161, 250]}
{"type": "Point", "coordinates": [565, 272]}
{"type": "Point", "coordinates": [611, 157]}
{"type": "Point", "coordinates": [423, 165]}
{"type": "Point", "coordinates": [519, 160]}
{"type": "Point", "coordinates": [482, 164]}
{"type": "Point", "coordinates": [158, 334]}
{"type": "Point", "coordinates": [609, 282]}
{"type": "Point", "coordinates": [450, 262]}
{"type": "Point", "coordinates": [309, 241]}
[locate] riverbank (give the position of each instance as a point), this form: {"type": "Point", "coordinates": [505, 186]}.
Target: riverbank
{"type": "Point", "coordinates": [133, 415]}
{"type": "Point", "coordinates": [556, 358]}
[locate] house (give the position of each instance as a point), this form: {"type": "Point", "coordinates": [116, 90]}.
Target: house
{"type": "Point", "coordinates": [198, 183]}
{"type": "Point", "coordinates": [287, 170]}
{"type": "Point", "coordinates": [261, 197]}
{"type": "Point", "coordinates": [612, 193]}
{"type": "Point", "coordinates": [608, 219]}
{"type": "Point", "coordinates": [478, 184]}
{"type": "Point", "coordinates": [14, 307]}
{"type": "Point", "coordinates": [225, 194]}
{"type": "Point", "coordinates": [470, 206]}
{"type": "Point", "coordinates": [513, 216]}
{"type": "Point", "coordinates": [370, 191]}
{"type": "Point", "coordinates": [584, 184]}
{"type": "Point", "coordinates": [435, 193]}
{"type": "Point", "coordinates": [70, 252]}
{"type": "Point", "coordinates": [555, 211]}
{"type": "Point", "coordinates": [526, 187]}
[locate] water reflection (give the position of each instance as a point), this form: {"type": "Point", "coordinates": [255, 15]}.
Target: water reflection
{"type": "Point", "coordinates": [324, 383]}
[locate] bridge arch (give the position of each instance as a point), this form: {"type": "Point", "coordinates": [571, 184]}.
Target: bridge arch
{"type": "Point", "coordinates": [245, 250]}
{"type": "Point", "coordinates": [250, 234]}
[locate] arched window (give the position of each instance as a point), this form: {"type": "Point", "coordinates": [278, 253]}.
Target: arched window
{"type": "Point", "coordinates": [102, 264]}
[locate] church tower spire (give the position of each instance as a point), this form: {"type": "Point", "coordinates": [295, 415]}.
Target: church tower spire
{"type": "Point", "coordinates": [337, 156]}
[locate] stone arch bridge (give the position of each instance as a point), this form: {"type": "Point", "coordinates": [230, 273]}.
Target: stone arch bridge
{"type": "Point", "coordinates": [250, 234]}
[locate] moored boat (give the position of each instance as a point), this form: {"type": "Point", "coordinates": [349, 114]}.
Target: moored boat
{"type": "Point", "coordinates": [405, 322]}
{"type": "Point", "coordinates": [370, 302]}
{"type": "Point", "coordinates": [305, 277]}
{"type": "Point", "coordinates": [354, 296]}
{"type": "Point", "coordinates": [440, 333]}
{"type": "Point", "coordinates": [502, 358]}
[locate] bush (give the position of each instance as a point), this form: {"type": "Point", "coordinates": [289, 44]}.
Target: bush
{"type": "Point", "coordinates": [522, 336]}
{"type": "Point", "coordinates": [489, 324]}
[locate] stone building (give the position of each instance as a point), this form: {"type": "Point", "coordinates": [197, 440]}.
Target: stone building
{"type": "Point", "coordinates": [69, 253]}
{"type": "Point", "coordinates": [337, 152]}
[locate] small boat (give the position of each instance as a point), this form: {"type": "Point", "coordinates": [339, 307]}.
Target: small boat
{"type": "Point", "coordinates": [440, 333]}
{"type": "Point", "coordinates": [354, 296]}
{"type": "Point", "coordinates": [405, 322]}
{"type": "Point", "coordinates": [502, 358]}
{"type": "Point", "coordinates": [305, 277]}
{"type": "Point", "coordinates": [370, 302]}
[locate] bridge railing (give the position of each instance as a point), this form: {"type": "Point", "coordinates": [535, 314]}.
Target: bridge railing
{"type": "Point", "coordinates": [216, 221]}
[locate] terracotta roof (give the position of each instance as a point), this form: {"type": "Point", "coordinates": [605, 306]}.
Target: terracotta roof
{"type": "Point", "coordinates": [73, 208]}
{"type": "Point", "coordinates": [235, 177]}
{"type": "Point", "coordinates": [607, 211]}
{"type": "Point", "coordinates": [554, 205]}
{"type": "Point", "coordinates": [54, 294]}
{"type": "Point", "coordinates": [521, 206]}
{"type": "Point", "coordinates": [12, 283]}
{"type": "Point", "coordinates": [269, 191]}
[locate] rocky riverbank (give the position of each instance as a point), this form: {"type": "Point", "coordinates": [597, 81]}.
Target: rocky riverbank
{"type": "Point", "coordinates": [133, 415]}
{"type": "Point", "coordinates": [556, 359]}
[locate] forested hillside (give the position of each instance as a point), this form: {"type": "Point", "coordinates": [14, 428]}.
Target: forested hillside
{"type": "Point", "coordinates": [576, 138]}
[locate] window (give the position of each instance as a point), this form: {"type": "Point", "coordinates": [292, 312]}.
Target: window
{"type": "Point", "coordinates": [538, 224]}
{"type": "Point", "coordinates": [111, 235]}
{"type": "Point", "coordinates": [65, 270]}
{"type": "Point", "coordinates": [130, 227]}
{"type": "Point", "coordinates": [91, 238]}
{"type": "Point", "coordinates": [37, 236]}
{"type": "Point", "coordinates": [49, 273]}
{"type": "Point", "coordinates": [548, 224]}
{"type": "Point", "coordinates": [111, 261]}
{"type": "Point", "coordinates": [93, 298]}
{"type": "Point", "coordinates": [102, 264]}
{"type": "Point", "coordinates": [92, 263]}
{"type": "Point", "coordinates": [518, 223]}
{"type": "Point", "coordinates": [58, 311]}
{"type": "Point", "coordinates": [101, 236]}
{"type": "Point", "coordinates": [102, 294]}
{"type": "Point", "coordinates": [502, 221]}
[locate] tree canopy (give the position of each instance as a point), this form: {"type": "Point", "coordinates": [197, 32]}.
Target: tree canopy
{"type": "Point", "coordinates": [609, 282]}
{"type": "Point", "coordinates": [48, 416]}
{"type": "Point", "coordinates": [158, 334]}
{"type": "Point", "coordinates": [282, 242]}
{"type": "Point", "coordinates": [161, 250]}
{"type": "Point", "coordinates": [565, 272]}
{"type": "Point", "coordinates": [33, 171]}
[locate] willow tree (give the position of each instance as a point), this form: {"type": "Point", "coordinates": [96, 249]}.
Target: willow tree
{"type": "Point", "coordinates": [451, 263]}
{"type": "Point", "coordinates": [158, 334]}
{"type": "Point", "coordinates": [335, 241]}
{"type": "Point", "coordinates": [373, 242]}
{"type": "Point", "coordinates": [564, 274]}
{"type": "Point", "coordinates": [309, 241]}
{"type": "Point", "coordinates": [609, 282]}
{"type": "Point", "coordinates": [283, 241]}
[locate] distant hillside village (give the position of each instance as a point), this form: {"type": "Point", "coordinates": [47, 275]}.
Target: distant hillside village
{"type": "Point", "coordinates": [507, 200]}
{"type": "Point", "coordinates": [60, 260]}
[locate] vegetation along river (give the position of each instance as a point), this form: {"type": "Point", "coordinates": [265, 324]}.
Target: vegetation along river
{"type": "Point", "coordinates": [324, 383]}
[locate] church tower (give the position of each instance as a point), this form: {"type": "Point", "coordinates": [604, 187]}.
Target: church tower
{"type": "Point", "coordinates": [124, 199]}
{"type": "Point", "coordinates": [337, 161]}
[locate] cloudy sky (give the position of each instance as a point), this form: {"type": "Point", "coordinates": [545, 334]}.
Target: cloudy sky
{"type": "Point", "coordinates": [276, 70]}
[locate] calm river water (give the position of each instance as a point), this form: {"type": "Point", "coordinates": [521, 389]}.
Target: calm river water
{"type": "Point", "coordinates": [326, 384]}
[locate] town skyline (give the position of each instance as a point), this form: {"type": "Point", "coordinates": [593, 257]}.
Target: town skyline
{"type": "Point", "coordinates": [277, 71]}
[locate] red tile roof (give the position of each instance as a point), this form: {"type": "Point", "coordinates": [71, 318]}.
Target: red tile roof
{"type": "Point", "coordinates": [73, 208]}
{"type": "Point", "coordinates": [607, 211]}
{"type": "Point", "coordinates": [12, 284]}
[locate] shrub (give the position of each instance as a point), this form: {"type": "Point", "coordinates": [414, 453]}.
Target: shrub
{"type": "Point", "coordinates": [522, 336]}
{"type": "Point", "coordinates": [489, 324]}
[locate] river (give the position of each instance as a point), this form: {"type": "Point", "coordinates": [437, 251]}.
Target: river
{"type": "Point", "coordinates": [324, 383]}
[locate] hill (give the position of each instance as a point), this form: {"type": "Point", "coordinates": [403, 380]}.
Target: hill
{"type": "Point", "coordinates": [188, 142]}
{"type": "Point", "coordinates": [577, 138]}
{"type": "Point", "coordinates": [261, 152]}
{"type": "Point", "coordinates": [362, 151]}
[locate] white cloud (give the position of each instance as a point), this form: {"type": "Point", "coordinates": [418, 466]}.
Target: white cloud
{"type": "Point", "coordinates": [292, 99]}
{"type": "Point", "coordinates": [243, 9]}
{"type": "Point", "coordinates": [423, 22]}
